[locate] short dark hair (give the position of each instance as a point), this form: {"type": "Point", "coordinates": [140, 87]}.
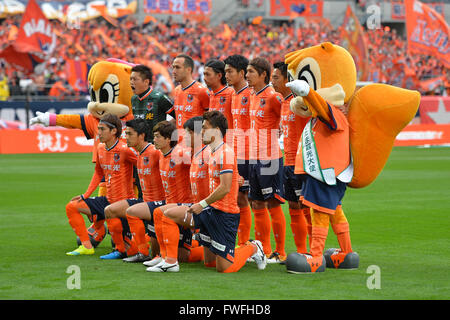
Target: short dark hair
{"type": "Point", "coordinates": [238, 62]}
{"type": "Point", "coordinates": [146, 72]}
{"type": "Point", "coordinates": [188, 61]}
{"type": "Point", "coordinates": [190, 124]}
{"type": "Point", "coordinates": [217, 120]}
{"type": "Point", "coordinates": [141, 126]}
{"type": "Point", "coordinates": [261, 64]}
{"type": "Point", "coordinates": [168, 130]}
{"type": "Point", "coordinates": [282, 67]}
{"type": "Point", "coordinates": [218, 67]}
{"type": "Point", "coordinates": [112, 121]}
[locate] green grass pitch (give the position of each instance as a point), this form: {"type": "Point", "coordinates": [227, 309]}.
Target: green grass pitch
{"type": "Point", "coordinates": [400, 224]}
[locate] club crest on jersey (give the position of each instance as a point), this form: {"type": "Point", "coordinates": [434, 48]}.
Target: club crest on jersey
{"type": "Point", "coordinates": [172, 163]}
{"type": "Point", "coordinates": [222, 100]}
{"type": "Point", "coordinates": [262, 103]}
{"type": "Point", "coordinates": [146, 161]}
{"type": "Point", "coordinates": [150, 106]}
{"type": "Point", "coordinates": [244, 101]}
{"type": "Point", "coordinates": [190, 98]}
{"type": "Point", "coordinates": [116, 157]}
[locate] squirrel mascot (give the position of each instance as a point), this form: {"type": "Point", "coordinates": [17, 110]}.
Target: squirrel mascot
{"type": "Point", "coordinates": [346, 142]}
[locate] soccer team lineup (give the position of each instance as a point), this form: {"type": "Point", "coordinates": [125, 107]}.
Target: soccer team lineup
{"type": "Point", "coordinates": [185, 181]}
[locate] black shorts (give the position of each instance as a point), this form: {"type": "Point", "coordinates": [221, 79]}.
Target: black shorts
{"type": "Point", "coordinates": [266, 180]}
{"type": "Point", "coordinates": [293, 184]}
{"type": "Point", "coordinates": [244, 171]}
{"type": "Point", "coordinates": [97, 206]}
{"type": "Point", "coordinates": [149, 224]}
{"type": "Point", "coordinates": [218, 231]}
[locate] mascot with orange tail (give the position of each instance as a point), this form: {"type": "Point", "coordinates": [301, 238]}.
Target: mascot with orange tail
{"type": "Point", "coordinates": [110, 92]}
{"type": "Point", "coordinates": [346, 143]}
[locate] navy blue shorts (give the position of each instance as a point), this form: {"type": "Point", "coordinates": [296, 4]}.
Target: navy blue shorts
{"type": "Point", "coordinates": [149, 224]}
{"type": "Point", "coordinates": [218, 231]}
{"type": "Point", "coordinates": [322, 197]}
{"type": "Point", "coordinates": [244, 171]}
{"type": "Point", "coordinates": [97, 206]}
{"type": "Point", "coordinates": [266, 180]}
{"type": "Point", "coordinates": [293, 184]}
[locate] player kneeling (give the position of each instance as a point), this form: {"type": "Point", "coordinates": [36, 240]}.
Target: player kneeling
{"type": "Point", "coordinates": [217, 216]}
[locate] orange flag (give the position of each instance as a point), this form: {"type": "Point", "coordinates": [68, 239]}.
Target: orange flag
{"type": "Point", "coordinates": [427, 31]}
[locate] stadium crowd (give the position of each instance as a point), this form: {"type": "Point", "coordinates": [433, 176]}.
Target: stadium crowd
{"type": "Point", "coordinates": [160, 41]}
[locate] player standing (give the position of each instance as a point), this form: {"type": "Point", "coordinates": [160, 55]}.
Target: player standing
{"type": "Point", "coordinates": [190, 97]}
{"type": "Point", "coordinates": [266, 173]}
{"type": "Point", "coordinates": [235, 70]}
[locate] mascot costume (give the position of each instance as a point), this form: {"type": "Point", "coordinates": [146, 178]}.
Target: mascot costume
{"type": "Point", "coordinates": [110, 92]}
{"type": "Point", "coordinates": [347, 141]}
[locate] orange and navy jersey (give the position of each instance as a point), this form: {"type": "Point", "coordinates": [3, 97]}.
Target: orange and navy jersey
{"type": "Point", "coordinates": [149, 176]}
{"type": "Point", "coordinates": [292, 126]}
{"type": "Point", "coordinates": [331, 141]}
{"type": "Point", "coordinates": [174, 170]}
{"type": "Point", "coordinates": [223, 160]}
{"type": "Point", "coordinates": [199, 174]}
{"type": "Point", "coordinates": [189, 102]}
{"type": "Point", "coordinates": [221, 101]}
{"type": "Point", "coordinates": [240, 110]}
{"type": "Point", "coordinates": [265, 111]}
{"type": "Point", "coordinates": [116, 165]}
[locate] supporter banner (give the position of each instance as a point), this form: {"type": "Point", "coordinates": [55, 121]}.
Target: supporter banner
{"type": "Point", "coordinates": [195, 7]}
{"type": "Point", "coordinates": [434, 110]}
{"type": "Point", "coordinates": [424, 134]}
{"type": "Point", "coordinates": [16, 111]}
{"type": "Point", "coordinates": [354, 41]}
{"type": "Point", "coordinates": [72, 10]}
{"type": "Point", "coordinates": [427, 31]}
{"type": "Point", "coordinates": [35, 40]}
{"type": "Point", "coordinates": [44, 141]}
{"type": "Point", "coordinates": [296, 8]}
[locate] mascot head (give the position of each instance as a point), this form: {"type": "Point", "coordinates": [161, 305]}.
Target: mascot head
{"type": "Point", "coordinates": [110, 89]}
{"type": "Point", "coordinates": [329, 69]}
{"type": "Point", "coordinates": [376, 113]}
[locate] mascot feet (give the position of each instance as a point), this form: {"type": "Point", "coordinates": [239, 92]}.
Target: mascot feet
{"type": "Point", "coordinates": [95, 236]}
{"type": "Point", "coordinates": [305, 263]}
{"type": "Point", "coordinates": [339, 260]}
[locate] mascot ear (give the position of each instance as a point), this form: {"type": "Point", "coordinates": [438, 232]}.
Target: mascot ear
{"type": "Point", "coordinates": [327, 46]}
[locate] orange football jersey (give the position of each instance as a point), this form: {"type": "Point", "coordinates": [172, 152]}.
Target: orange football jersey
{"type": "Point", "coordinates": [174, 170]}
{"type": "Point", "coordinates": [116, 165]}
{"type": "Point", "coordinates": [292, 126]}
{"type": "Point", "coordinates": [199, 174]}
{"type": "Point", "coordinates": [265, 111]}
{"type": "Point", "coordinates": [223, 160]}
{"type": "Point", "coordinates": [240, 110]}
{"type": "Point", "coordinates": [189, 102]}
{"type": "Point", "coordinates": [221, 101]}
{"type": "Point", "coordinates": [149, 176]}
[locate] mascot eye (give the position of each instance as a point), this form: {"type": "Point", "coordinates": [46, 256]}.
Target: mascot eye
{"type": "Point", "coordinates": [290, 77]}
{"type": "Point", "coordinates": [92, 94]}
{"type": "Point", "coordinates": [306, 75]}
{"type": "Point", "coordinates": [108, 92]}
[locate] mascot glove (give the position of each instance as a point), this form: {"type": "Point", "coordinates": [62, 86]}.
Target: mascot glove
{"type": "Point", "coordinates": [45, 119]}
{"type": "Point", "coordinates": [299, 87]}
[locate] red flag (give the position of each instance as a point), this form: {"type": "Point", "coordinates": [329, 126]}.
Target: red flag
{"type": "Point", "coordinates": [35, 40]}
{"type": "Point", "coordinates": [76, 72]}
{"type": "Point", "coordinates": [354, 41]}
{"type": "Point", "coordinates": [427, 31]}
